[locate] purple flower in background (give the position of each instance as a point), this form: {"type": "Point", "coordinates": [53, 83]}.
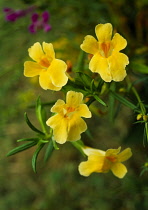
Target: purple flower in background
{"type": "Point", "coordinates": [12, 15]}
{"type": "Point", "coordinates": [40, 22]}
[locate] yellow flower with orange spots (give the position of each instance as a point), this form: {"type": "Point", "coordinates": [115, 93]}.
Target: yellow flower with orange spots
{"type": "Point", "coordinates": [51, 71]}
{"type": "Point", "coordinates": [102, 162]}
{"type": "Point", "coordinates": [106, 59]}
{"type": "Point", "coordinates": [67, 123]}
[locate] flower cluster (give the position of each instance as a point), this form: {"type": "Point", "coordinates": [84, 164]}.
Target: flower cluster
{"type": "Point", "coordinates": [38, 21]}
{"type": "Point", "coordinates": [65, 122]}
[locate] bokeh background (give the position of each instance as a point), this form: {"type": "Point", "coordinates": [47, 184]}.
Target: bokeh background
{"type": "Point", "coordinates": [58, 185]}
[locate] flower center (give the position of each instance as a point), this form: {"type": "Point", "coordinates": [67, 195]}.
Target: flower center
{"type": "Point", "coordinates": [105, 49]}
{"type": "Point", "coordinates": [68, 112]}
{"type": "Point", "coordinates": [112, 159]}
{"type": "Point", "coordinates": [44, 62]}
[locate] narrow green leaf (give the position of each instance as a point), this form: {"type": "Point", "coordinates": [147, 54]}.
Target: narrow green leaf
{"type": "Point", "coordinates": [80, 62]}
{"type": "Point", "coordinates": [99, 100]}
{"type": "Point", "coordinates": [55, 145]}
{"type": "Point", "coordinates": [111, 112]}
{"type": "Point", "coordinates": [78, 144]}
{"type": "Point", "coordinates": [49, 151]}
{"type": "Point", "coordinates": [85, 79]}
{"type": "Point", "coordinates": [40, 113]}
{"type": "Point", "coordinates": [123, 100]}
{"type": "Point", "coordinates": [35, 156]}
{"type": "Point", "coordinates": [22, 148]}
{"type": "Point", "coordinates": [92, 86]}
{"type": "Point", "coordinates": [28, 139]}
{"type": "Point", "coordinates": [140, 68]}
{"type": "Point", "coordinates": [31, 125]}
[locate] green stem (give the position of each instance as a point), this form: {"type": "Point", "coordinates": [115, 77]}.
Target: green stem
{"type": "Point", "coordinates": [143, 110]}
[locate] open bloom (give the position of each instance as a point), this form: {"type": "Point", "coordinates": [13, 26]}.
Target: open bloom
{"type": "Point", "coordinates": [51, 71]}
{"type": "Point", "coordinates": [40, 22]}
{"type": "Point", "coordinates": [67, 123]}
{"type": "Point", "coordinates": [106, 59]}
{"type": "Point", "coordinates": [101, 162]}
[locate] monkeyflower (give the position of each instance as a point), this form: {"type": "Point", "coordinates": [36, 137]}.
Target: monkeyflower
{"type": "Point", "coordinates": [101, 162]}
{"type": "Point", "coordinates": [51, 71]}
{"type": "Point", "coordinates": [12, 15]}
{"type": "Point", "coordinates": [40, 22]}
{"type": "Point", "coordinates": [106, 59]}
{"type": "Point", "coordinates": [67, 123]}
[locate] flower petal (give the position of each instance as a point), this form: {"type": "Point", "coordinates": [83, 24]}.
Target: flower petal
{"type": "Point", "coordinates": [49, 51]}
{"type": "Point", "coordinates": [31, 69]}
{"type": "Point", "coordinates": [76, 126]}
{"type": "Point", "coordinates": [124, 155]}
{"type": "Point", "coordinates": [73, 98]}
{"type": "Point", "coordinates": [111, 152]}
{"type": "Point", "coordinates": [59, 126]}
{"type": "Point", "coordinates": [91, 151]}
{"type": "Point", "coordinates": [119, 170]}
{"type": "Point", "coordinates": [118, 42]}
{"type": "Point", "coordinates": [99, 64]}
{"type": "Point", "coordinates": [57, 71]}
{"type": "Point", "coordinates": [36, 52]}
{"type": "Point", "coordinates": [103, 32]}
{"type": "Point", "coordinates": [57, 108]}
{"type": "Point", "coordinates": [45, 82]}
{"type": "Point", "coordinates": [83, 111]}
{"type": "Point", "coordinates": [94, 164]}
{"type": "Point", "coordinates": [117, 63]}
{"type": "Point", "coordinates": [89, 45]}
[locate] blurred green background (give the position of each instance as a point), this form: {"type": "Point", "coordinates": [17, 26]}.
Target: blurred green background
{"type": "Point", "coordinates": [58, 185]}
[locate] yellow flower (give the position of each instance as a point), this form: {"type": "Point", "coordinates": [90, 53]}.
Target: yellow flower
{"type": "Point", "coordinates": [67, 123]}
{"type": "Point", "coordinates": [106, 60]}
{"type": "Point", "coordinates": [101, 162]}
{"type": "Point", "coordinates": [51, 71]}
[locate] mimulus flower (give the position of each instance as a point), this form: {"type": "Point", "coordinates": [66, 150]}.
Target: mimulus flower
{"type": "Point", "coordinates": [40, 22]}
{"type": "Point", "coordinates": [106, 59]}
{"type": "Point", "coordinates": [67, 123]}
{"type": "Point", "coordinates": [51, 71]}
{"type": "Point", "coordinates": [101, 162]}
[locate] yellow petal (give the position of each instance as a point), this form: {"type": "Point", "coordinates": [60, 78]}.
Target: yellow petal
{"type": "Point", "coordinates": [118, 42]}
{"type": "Point", "coordinates": [58, 107]}
{"type": "Point", "coordinates": [111, 152]}
{"type": "Point", "coordinates": [31, 69]}
{"type": "Point", "coordinates": [59, 126]}
{"type": "Point", "coordinates": [99, 64]}
{"type": "Point", "coordinates": [117, 63]}
{"type": "Point", "coordinates": [89, 45]}
{"type": "Point", "coordinates": [124, 155]}
{"type": "Point", "coordinates": [119, 170]}
{"type": "Point", "coordinates": [91, 151]}
{"type": "Point", "coordinates": [103, 32]}
{"type": "Point", "coordinates": [76, 126]}
{"type": "Point", "coordinates": [45, 82]}
{"type": "Point", "coordinates": [48, 49]}
{"type": "Point", "coordinates": [74, 99]}
{"type": "Point", "coordinates": [94, 164]}
{"type": "Point", "coordinates": [83, 111]}
{"type": "Point", "coordinates": [36, 52]}
{"type": "Point", "coordinates": [57, 71]}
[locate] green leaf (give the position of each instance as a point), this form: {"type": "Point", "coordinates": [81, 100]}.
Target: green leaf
{"type": "Point", "coordinates": [85, 79]}
{"type": "Point", "coordinates": [55, 145]}
{"type": "Point", "coordinates": [49, 151]}
{"type": "Point", "coordinates": [22, 148]}
{"type": "Point", "coordinates": [123, 100]}
{"type": "Point", "coordinates": [80, 62]}
{"type": "Point", "coordinates": [140, 68]}
{"type": "Point", "coordinates": [28, 139]}
{"type": "Point", "coordinates": [79, 144]}
{"type": "Point", "coordinates": [40, 112]}
{"type": "Point", "coordinates": [31, 125]}
{"type": "Point", "coordinates": [35, 156]}
{"type": "Point", "coordinates": [99, 100]}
